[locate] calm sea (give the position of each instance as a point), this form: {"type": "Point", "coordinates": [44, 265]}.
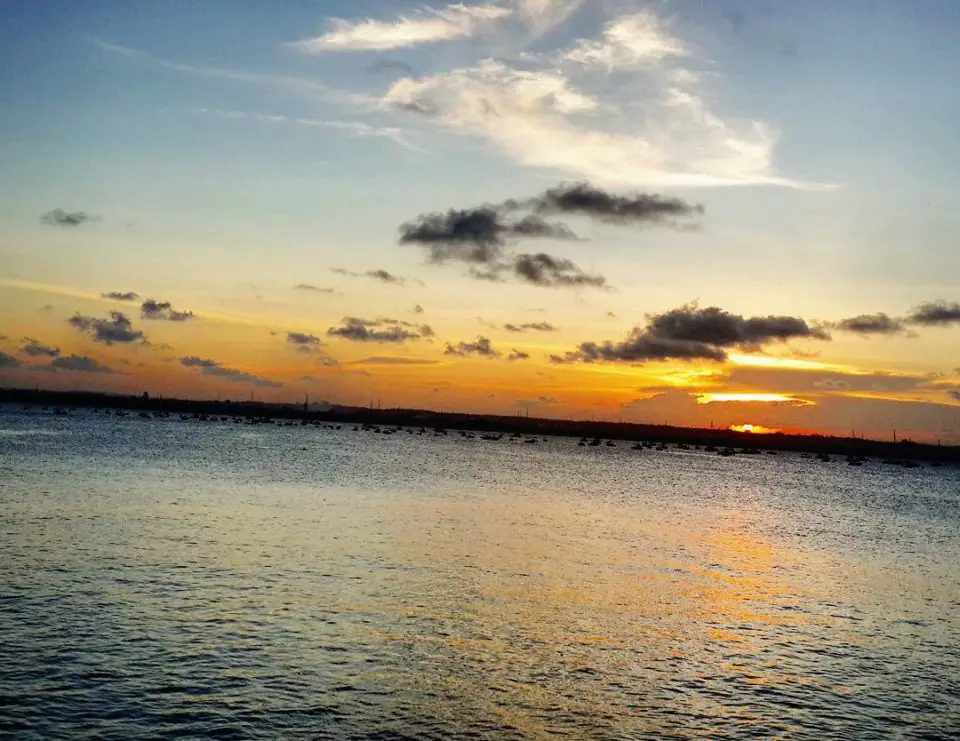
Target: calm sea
{"type": "Point", "coordinates": [169, 579]}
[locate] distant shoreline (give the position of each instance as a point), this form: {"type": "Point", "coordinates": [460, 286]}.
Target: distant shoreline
{"type": "Point", "coordinates": [627, 431]}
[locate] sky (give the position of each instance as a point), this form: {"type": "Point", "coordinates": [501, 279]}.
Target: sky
{"type": "Point", "coordinates": [670, 212]}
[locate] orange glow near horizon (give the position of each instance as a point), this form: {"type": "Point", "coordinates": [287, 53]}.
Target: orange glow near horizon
{"type": "Point", "coordinates": [752, 398]}
{"type": "Point", "coordinates": [754, 429]}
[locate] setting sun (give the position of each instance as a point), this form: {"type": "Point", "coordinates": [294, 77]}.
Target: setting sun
{"type": "Point", "coordinates": [753, 429]}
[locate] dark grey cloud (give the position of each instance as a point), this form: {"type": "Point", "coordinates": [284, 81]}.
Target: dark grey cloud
{"type": "Point", "coordinates": [121, 296]}
{"type": "Point", "coordinates": [715, 326]}
{"type": "Point", "coordinates": [8, 361]}
{"type": "Point", "coordinates": [584, 199]}
{"type": "Point", "coordinates": [545, 270]}
{"type": "Point", "coordinates": [480, 237]}
{"type": "Point", "coordinates": [692, 333]}
{"type": "Point", "coordinates": [381, 275]}
{"type": "Point", "coordinates": [530, 326]}
{"type": "Point", "coordinates": [865, 324]}
{"type": "Point", "coordinates": [477, 235]}
{"type": "Point", "coordinates": [79, 364]}
{"type": "Point", "coordinates": [482, 347]}
{"type": "Point", "coordinates": [213, 368]}
{"type": "Point", "coordinates": [163, 311]}
{"type": "Point", "coordinates": [59, 217]}
{"type": "Point", "coordinates": [418, 309]}
{"type": "Point", "coordinates": [356, 329]}
{"type": "Point", "coordinates": [953, 394]}
{"type": "Point", "coordinates": [36, 349]}
{"type": "Point", "coordinates": [516, 355]}
{"type": "Point", "coordinates": [935, 314]}
{"type": "Point", "coordinates": [117, 329]}
{"type": "Point", "coordinates": [312, 288]}
{"type": "Point", "coordinates": [304, 342]}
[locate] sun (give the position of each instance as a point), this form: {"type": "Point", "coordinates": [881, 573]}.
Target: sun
{"type": "Point", "coordinates": [753, 429]}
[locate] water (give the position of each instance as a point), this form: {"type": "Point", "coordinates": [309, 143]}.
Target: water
{"type": "Point", "coordinates": [167, 579]}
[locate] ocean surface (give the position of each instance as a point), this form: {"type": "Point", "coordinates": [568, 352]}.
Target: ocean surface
{"type": "Point", "coordinates": [166, 579]}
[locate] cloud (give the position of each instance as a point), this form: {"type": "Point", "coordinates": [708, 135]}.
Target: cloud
{"type": "Point", "coordinates": [356, 329]}
{"type": "Point", "coordinates": [213, 368]}
{"type": "Point", "coordinates": [8, 361]}
{"type": "Point", "coordinates": [691, 333]}
{"type": "Point", "coordinates": [163, 311]}
{"type": "Point", "coordinates": [636, 40]}
{"type": "Point", "coordinates": [312, 288]}
{"type": "Point", "coordinates": [530, 326]}
{"type": "Point", "coordinates": [352, 129]}
{"type": "Point", "coordinates": [953, 394]}
{"type": "Point", "coordinates": [475, 235]}
{"type": "Point", "coordinates": [586, 200]}
{"type": "Point", "coordinates": [479, 236]}
{"type": "Point", "coordinates": [383, 276]}
{"type": "Point", "coordinates": [59, 217]}
{"type": "Point", "coordinates": [78, 364]}
{"type": "Point", "coordinates": [655, 126]}
{"type": "Point", "coordinates": [118, 328]}
{"type": "Point", "coordinates": [380, 360]}
{"type": "Point", "coordinates": [36, 349]}
{"type": "Point", "coordinates": [865, 324]}
{"type": "Point", "coordinates": [935, 314]}
{"type": "Point", "coordinates": [480, 348]}
{"type": "Point", "coordinates": [304, 342]}
{"type": "Point", "coordinates": [542, 269]}
{"type": "Point", "coordinates": [718, 327]}
{"type": "Point", "coordinates": [121, 296]}
{"type": "Point", "coordinates": [801, 380]}
{"type": "Point", "coordinates": [418, 309]}
{"type": "Point", "coordinates": [516, 355]}
{"type": "Point", "coordinates": [427, 27]}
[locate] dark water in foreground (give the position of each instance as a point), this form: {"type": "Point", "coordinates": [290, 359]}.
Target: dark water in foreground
{"type": "Point", "coordinates": [164, 579]}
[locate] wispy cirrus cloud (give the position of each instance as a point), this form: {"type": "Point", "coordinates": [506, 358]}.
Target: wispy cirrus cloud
{"type": "Point", "coordinates": [551, 110]}
{"type": "Point", "coordinates": [351, 129]}
{"type": "Point", "coordinates": [429, 26]}
{"type": "Point", "coordinates": [631, 41]}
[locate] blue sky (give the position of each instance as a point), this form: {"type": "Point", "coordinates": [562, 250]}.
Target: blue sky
{"type": "Point", "coordinates": [233, 149]}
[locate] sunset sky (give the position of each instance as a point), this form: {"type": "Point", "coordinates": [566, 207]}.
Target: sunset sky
{"type": "Point", "coordinates": [681, 212]}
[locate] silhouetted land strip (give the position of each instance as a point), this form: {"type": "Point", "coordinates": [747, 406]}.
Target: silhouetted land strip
{"type": "Point", "coordinates": [491, 423]}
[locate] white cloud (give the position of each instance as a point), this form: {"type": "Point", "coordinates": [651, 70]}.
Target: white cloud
{"type": "Point", "coordinates": [428, 27]}
{"type": "Point", "coordinates": [627, 42]}
{"type": "Point", "coordinates": [542, 16]}
{"type": "Point", "coordinates": [540, 119]}
{"type": "Point", "coordinates": [354, 129]}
